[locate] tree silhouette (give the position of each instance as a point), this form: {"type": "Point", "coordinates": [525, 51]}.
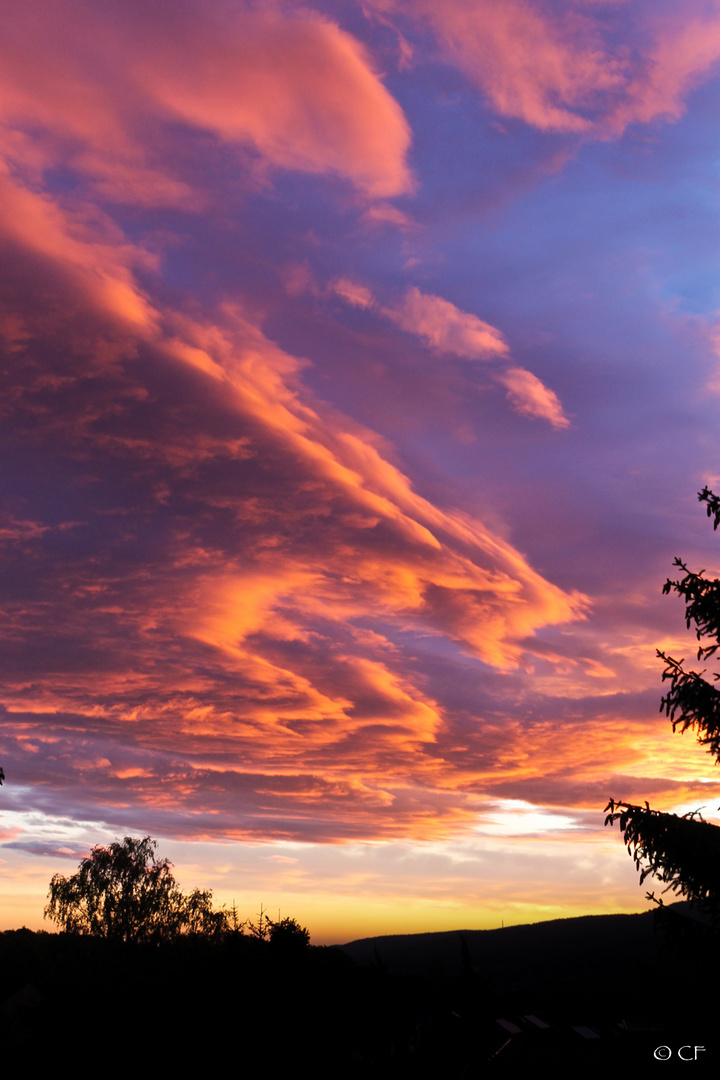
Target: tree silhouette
{"type": "Point", "coordinates": [286, 934]}
{"type": "Point", "coordinates": [125, 892]}
{"type": "Point", "coordinates": [683, 851]}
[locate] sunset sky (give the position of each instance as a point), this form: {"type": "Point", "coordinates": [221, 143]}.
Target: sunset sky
{"type": "Point", "coordinates": [361, 366]}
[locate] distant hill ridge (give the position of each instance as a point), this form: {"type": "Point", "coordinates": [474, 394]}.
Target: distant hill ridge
{"type": "Point", "coordinates": [592, 945]}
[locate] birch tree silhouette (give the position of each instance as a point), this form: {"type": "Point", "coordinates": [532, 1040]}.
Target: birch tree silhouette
{"type": "Point", "coordinates": [125, 892]}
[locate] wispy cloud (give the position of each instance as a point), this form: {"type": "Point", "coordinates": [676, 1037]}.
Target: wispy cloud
{"type": "Point", "coordinates": [449, 331]}
{"type": "Point", "coordinates": [531, 397]}
{"type": "Point", "coordinates": [584, 68]}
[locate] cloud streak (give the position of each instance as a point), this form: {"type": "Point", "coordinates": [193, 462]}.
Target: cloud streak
{"type": "Point", "coordinates": [232, 605]}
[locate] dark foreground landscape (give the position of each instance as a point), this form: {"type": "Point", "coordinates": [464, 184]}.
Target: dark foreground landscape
{"type": "Point", "coordinates": [583, 994]}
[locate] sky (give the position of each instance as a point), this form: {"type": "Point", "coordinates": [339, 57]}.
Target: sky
{"type": "Point", "coordinates": [360, 370]}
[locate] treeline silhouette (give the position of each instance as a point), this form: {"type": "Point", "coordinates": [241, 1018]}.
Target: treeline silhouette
{"type": "Point", "coordinates": [125, 893]}
{"type": "Point", "coordinates": [577, 994]}
{"type": "Point", "coordinates": [137, 960]}
{"type": "Point", "coordinates": [141, 971]}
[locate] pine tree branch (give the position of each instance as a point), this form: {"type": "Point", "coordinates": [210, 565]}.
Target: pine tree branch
{"type": "Point", "coordinates": [682, 852]}
{"type": "Point", "coordinates": [691, 702]}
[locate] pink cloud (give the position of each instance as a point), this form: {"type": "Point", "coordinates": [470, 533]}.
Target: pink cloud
{"type": "Point", "coordinates": [531, 397]}
{"type": "Point", "coordinates": [293, 85]}
{"type": "Point", "coordinates": [682, 50]}
{"type": "Point", "coordinates": [353, 293]}
{"type": "Point", "coordinates": [299, 88]}
{"type": "Point", "coordinates": [543, 67]}
{"type": "Point", "coordinates": [559, 68]}
{"type": "Point", "coordinates": [448, 330]}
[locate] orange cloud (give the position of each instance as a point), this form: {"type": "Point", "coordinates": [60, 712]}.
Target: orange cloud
{"type": "Point", "coordinates": [85, 248]}
{"type": "Point", "coordinates": [238, 650]}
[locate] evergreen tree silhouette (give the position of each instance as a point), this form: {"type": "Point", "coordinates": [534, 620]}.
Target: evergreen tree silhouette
{"type": "Point", "coordinates": [683, 851]}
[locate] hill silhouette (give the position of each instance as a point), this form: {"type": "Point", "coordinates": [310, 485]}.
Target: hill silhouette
{"type": "Point", "coordinates": [589, 992]}
{"type": "Point", "coordinates": [554, 952]}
